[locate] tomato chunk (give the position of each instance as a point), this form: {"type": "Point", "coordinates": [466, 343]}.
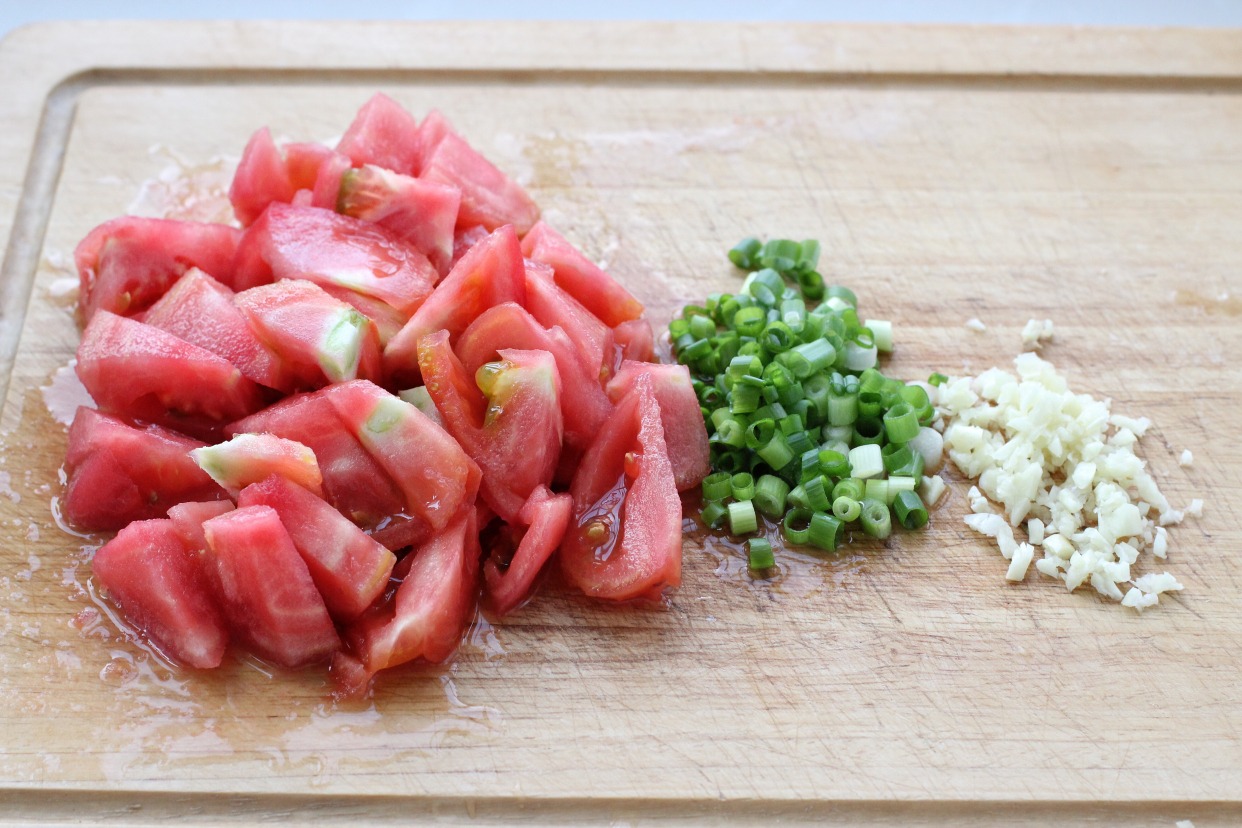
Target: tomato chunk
{"type": "Point", "coordinates": [431, 608]}
{"type": "Point", "coordinates": [383, 133]}
{"type": "Point", "coordinates": [125, 264]}
{"type": "Point", "coordinates": [148, 571]}
{"type": "Point", "coordinates": [489, 274]}
{"type": "Point", "coordinates": [261, 178]}
{"type": "Point", "coordinates": [685, 433]}
{"type": "Point", "coordinates": [509, 423]}
{"type": "Point", "coordinates": [433, 472]}
{"type": "Point", "coordinates": [507, 583]}
{"type": "Point", "coordinates": [118, 472]}
{"type": "Point", "coordinates": [348, 567]}
{"type": "Point", "coordinates": [266, 589]}
{"type": "Point", "coordinates": [584, 405]}
{"type": "Point", "coordinates": [625, 538]}
{"type": "Point", "coordinates": [580, 277]}
{"type": "Point", "coordinates": [423, 213]}
{"type": "Point", "coordinates": [137, 370]}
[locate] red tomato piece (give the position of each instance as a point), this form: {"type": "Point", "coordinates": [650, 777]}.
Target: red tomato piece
{"type": "Point", "coordinates": [266, 589]}
{"type": "Point", "coordinates": [388, 321]}
{"type": "Point", "coordinates": [584, 405]}
{"type": "Point", "coordinates": [488, 196]}
{"type": "Point", "coordinates": [431, 608]}
{"type": "Point", "coordinates": [144, 373]}
{"type": "Point", "coordinates": [303, 161]}
{"type": "Point", "coordinates": [147, 570]}
{"type": "Point", "coordinates": [580, 277]}
{"type": "Point", "coordinates": [352, 479]}
{"type": "Point", "coordinates": [327, 339]}
{"type": "Point", "coordinates": [261, 178]}
{"type": "Point", "coordinates": [685, 433]}
{"type": "Point", "coordinates": [201, 311]}
{"type": "Point", "coordinates": [490, 273]}
{"type": "Point", "coordinates": [326, 193]}
{"type": "Point", "coordinates": [625, 539]}
{"type": "Point", "coordinates": [383, 133]}
{"type": "Point", "coordinates": [348, 567]}
{"type": "Point", "coordinates": [117, 472]}
{"type": "Point", "coordinates": [554, 307]}
{"type": "Point", "coordinates": [423, 213]}
{"type": "Point", "coordinates": [433, 472]}
{"type": "Point", "coordinates": [331, 249]}
{"type": "Point", "coordinates": [508, 579]}
{"type": "Point", "coordinates": [509, 423]}
{"type": "Point", "coordinates": [635, 340]}
{"type": "Point", "coordinates": [464, 239]}
{"type": "Point", "coordinates": [125, 264]}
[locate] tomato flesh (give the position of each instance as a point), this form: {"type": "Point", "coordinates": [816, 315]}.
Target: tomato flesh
{"type": "Point", "coordinates": [508, 584]}
{"type": "Point", "coordinates": [685, 433]}
{"type": "Point", "coordinates": [266, 589]}
{"type": "Point", "coordinates": [147, 569]}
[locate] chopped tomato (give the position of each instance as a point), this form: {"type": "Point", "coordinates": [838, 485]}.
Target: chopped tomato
{"type": "Point", "coordinates": [490, 273]}
{"type": "Point", "coordinates": [685, 433]}
{"type": "Point", "coordinates": [508, 419]}
{"type": "Point", "coordinates": [432, 606]}
{"type": "Point", "coordinates": [518, 552]}
{"type": "Point", "coordinates": [625, 538]}
{"type": "Point", "coordinates": [261, 178]}
{"type": "Point", "coordinates": [383, 133]}
{"type": "Point", "coordinates": [581, 278]}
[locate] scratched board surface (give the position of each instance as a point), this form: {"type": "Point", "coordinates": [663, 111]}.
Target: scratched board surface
{"type": "Point", "coordinates": [903, 672]}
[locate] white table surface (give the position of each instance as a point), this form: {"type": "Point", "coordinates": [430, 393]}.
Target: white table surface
{"type": "Point", "coordinates": [1211, 13]}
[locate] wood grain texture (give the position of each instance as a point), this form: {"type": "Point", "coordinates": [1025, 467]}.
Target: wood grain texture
{"type": "Point", "coordinates": [1089, 177]}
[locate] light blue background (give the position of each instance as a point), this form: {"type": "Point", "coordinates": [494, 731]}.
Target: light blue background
{"type": "Point", "coordinates": [14, 13]}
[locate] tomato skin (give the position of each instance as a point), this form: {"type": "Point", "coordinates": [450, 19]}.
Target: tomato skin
{"type": "Point", "coordinates": [148, 570]}
{"type": "Point", "coordinates": [581, 278]}
{"type": "Point", "coordinates": [431, 608]}
{"type": "Point", "coordinates": [545, 517]}
{"type": "Point", "coordinates": [490, 273]}
{"type": "Point", "coordinates": [685, 433]}
{"type": "Point", "coordinates": [266, 589]}
{"type": "Point", "coordinates": [515, 433]}
{"type": "Point", "coordinates": [625, 539]}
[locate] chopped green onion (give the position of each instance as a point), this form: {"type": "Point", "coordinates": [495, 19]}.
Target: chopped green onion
{"type": "Point", "coordinates": [817, 494]}
{"type": "Point", "coordinates": [876, 520]}
{"type": "Point", "coordinates": [810, 358]}
{"type": "Point", "coordinates": [742, 519]}
{"type": "Point", "coordinates": [826, 531]}
{"type": "Point", "coordinates": [850, 487]}
{"type": "Point", "coordinates": [800, 442]}
{"type": "Point", "coordinates": [770, 495]}
{"type": "Point", "coordinates": [901, 424]}
{"type": "Point", "coordinates": [841, 293]}
{"type": "Point", "coordinates": [730, 433]}
{"type": "Point", "coordinates": [712, 513]}
{"type": "Point", "coordinates": [834, 463]}
{"type": "Point", "coordinates": [882, 332]}
{"type": "Point", "coordinates": [808, 257]}
{"type": "Point", "coordinates": [717, 486]}
{"type": "Point", "coordinates": [797, 497]}
{"type": "Point", "coordinates": [743, 486]}
{"type": "Point", "coordinates": [937, 379]}
{"type": "Point", "coordinates": [866, 461]}
{"type": "Point", "coordinates": [878, 489]}
{"type": "Point", "coordinates": [744, 399]}
{"type": "Point", "coordinates": [796, 528]}
{"type": "Point", "coordinates": [759, 555]}
{"type": "Point", "coordinates": [911, 513]}
{"type": "Point", "coordinates": [868, 431]}
{"type": "Point", "coordinates": [776, 453]}
{"type": "Point", "coordinates": [781, 254]}
{"type": "Point", "coordinates": [846, 508]}
{"type": "Point", "coordinates": [745, 253]}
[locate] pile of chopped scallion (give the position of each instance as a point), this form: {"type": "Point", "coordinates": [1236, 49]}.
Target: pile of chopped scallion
{"type": "Point", "coordinates": [803, 427]}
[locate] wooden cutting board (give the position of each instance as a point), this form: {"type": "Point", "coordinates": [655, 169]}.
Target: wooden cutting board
{"type": "Point", "coordinates": [1090, 177]}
